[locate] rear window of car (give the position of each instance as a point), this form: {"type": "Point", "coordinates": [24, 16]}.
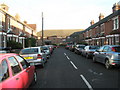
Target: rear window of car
{"type": "Point", "coordinates": [29, 51]}
{"type": "Point", "coordinates": [116, 49]}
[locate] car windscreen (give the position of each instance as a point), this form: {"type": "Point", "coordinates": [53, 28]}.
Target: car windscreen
{"type": "Point", "coordinates": [81, 47]}
{"type": "Point", "coordinates": [29, 51]}
{"type": "Point", "coordinates": [94, 47]}
{"type": "Point", "coordinates": [69, 44]}
{"type": "Point", "coordinates": [45, 48]}
{"type": "Point", "coordinates": [116, 49]}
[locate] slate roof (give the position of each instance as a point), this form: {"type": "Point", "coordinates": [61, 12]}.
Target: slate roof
{"type": "Point", "coordinates": [104, 20]}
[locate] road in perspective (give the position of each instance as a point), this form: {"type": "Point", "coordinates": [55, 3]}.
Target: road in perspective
{"type": "Point", "coordinates": [65, 69]}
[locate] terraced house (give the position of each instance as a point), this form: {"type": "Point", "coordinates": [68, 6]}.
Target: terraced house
{"type": "Point", "coordinates": [11, 28]}
{"type": "Point", "coordinates": [106, 30]}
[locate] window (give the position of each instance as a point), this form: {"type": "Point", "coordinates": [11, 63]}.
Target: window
{"type": "Point", "coordinates": [29, 51]}
{"type": "Point", "coordinates": [102, 28]}
{"type": "Point", "coordinates": [1, 22]}
{"type": "Point", "coordinates": [116, 49]}
{"type": "Point", "coordinates": [93, 47]}
{"type": "Point", "coordinates": [87, 33]}
{"type": "Point", "coordinates": [115, 23]}
{"type": "Point", "coordinates": [4, 71]}
{"type": "Point", "coordinates": [14, 65]}
{"type": "Point", "coordinates": [22, 61]}
{"type": "Point", "coordinates": [101, 49]}
{"type": "Point", "coordinates": [106, 49]}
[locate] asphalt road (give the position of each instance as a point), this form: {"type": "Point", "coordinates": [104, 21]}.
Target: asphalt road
{"type": "Point", "coordinates": [65, 69]}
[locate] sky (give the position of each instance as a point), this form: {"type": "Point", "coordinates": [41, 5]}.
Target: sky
{"type": "Point", "coordinates": [60, 14]}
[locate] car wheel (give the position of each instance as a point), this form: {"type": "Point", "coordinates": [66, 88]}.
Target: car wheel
{"type": "Point", "coordinates": [43, 65]}
{"type": "Point", "coordinates": [87, 56]}
{"type": "Point", "coordinates": [107, 64]}
{"type": "Point", "coordinates": [94, 59]}
{"type": "Point", "coordinates": [34, 78]}
{"type": "Point", "coordinates": [75, 52]}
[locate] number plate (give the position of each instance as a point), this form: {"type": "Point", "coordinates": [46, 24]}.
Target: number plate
{"type": "Point", "coordinates": [28, 57]}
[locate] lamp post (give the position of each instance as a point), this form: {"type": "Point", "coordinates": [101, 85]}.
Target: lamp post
{"type": "Point", "coordinates": [1, 36]}
{"type": "Point", "coordinates": [42, 30]}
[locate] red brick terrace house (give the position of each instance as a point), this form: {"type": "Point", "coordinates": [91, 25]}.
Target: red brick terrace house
{"type": "Point", "coordinates": [106, 30]}
{"type": "Point", "coordinates": [11, 28]}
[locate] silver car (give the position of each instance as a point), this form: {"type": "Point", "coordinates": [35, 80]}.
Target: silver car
{"type": "Point", "coordinates": [108, 55]}
{"type": "Point", "coordinates": [3, 51]}
{"type": "Point", "coordinates": [88, 51]}
{"type": "Point", "coordinates": [35, 55]}
{"type": "Point", "coordinates": [46, 50]}
{"type": "Point", "coordinates": [79, 48]}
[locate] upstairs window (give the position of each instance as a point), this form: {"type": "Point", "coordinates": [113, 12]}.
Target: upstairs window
{"type": "Point", "coordinates": [115, 23]}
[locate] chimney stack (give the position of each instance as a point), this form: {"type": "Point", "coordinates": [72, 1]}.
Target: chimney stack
{"type": "Point", "coordinates": [4, 7]}
{"type": "Point", "coordinates": [101, 16]}
{"type": "Point", "coordinates": [25, 22]}
{"type": "Point", "coordinates": [116, 7]}
{"type": "Point", "coordinates": [92, 22]}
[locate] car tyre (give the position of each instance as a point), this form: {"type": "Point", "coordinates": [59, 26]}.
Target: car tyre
{"type": "Point", "coordinates": [34, 78]}
{"type": "Point", "coordinates": [87, 56]}
{"type": "Point", "coordinates": [94, 59]}
{"type": "Point", "coordinates": [107, 64]}
{"type": "Point", "coordinates": [43, 64]}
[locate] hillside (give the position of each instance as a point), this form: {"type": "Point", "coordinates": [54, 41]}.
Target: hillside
{"type": "Point", "coordinates": [59, 33]}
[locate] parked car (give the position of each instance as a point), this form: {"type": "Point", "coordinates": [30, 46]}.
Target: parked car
{"type": "Point", "coordinates": [68, 45]}
{"type": "Point", "coordinates": [79, 48]}
{"type": "Point", "coordinates": [51, 48]}
{"type": "Point", "coordinates": [72, 47]}
{"type": "Point", "coordinates": [108, 55]}
{"type": "Point", "coordinates": [3, 51]}
{"type": "Point", "coordinates": [15, 72]}
{"type": "Point", "coordinates": [89, 50]}
{"type": "Point", "coordinates": [56, 46]}
{"type": "Point", "coordinates": [46, 50]}
{"type": "Point", "coordinates": [35, 55]}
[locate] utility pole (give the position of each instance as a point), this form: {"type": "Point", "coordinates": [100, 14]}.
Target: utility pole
{"type": "Point", "coordinates": [42, 30]}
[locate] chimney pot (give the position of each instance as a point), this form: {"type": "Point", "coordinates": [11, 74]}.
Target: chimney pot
{"type": "Point", "coordinates": [101, 16]}
{"type": "Point", "coordinates": [92, 22]}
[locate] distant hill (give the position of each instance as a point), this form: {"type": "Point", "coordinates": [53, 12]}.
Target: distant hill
{"type": "Point", "coordinates": [59, 33]}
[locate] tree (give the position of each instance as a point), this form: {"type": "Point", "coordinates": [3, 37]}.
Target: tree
{"type": "Point", "coordinates": [14, 44]}
{"type": "Point", "coordinates": [30, 42]}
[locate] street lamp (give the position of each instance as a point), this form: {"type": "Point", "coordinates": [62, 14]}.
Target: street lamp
{"type": "Point", "coordinates": [1, 36]}
{"type": "Point", "coordinates": [42, 30]}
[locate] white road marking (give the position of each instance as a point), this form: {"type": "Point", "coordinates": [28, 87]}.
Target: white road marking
{"type": "Point", "coordinates": [68, 58]}
{"type": "Point", "coordinates": [71, 61]}
{"type": "Point", "coordinates": [87, 83]}
{"type": "Point", "coordinates": [73, 65]}
{"type": "Point", "coordinates": [65, 54]}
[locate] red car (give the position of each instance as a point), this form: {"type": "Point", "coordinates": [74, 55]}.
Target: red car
{"type": "Point", "coordinates": [15, 72]}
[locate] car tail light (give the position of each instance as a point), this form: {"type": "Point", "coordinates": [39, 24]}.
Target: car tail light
{"type": "Point", "coordinates": [113, 49]}
{"type": "Point", "coordinates": [91, 52]}
{"type": "Point", "coordinates": [39, 56]}
{"type": "Point", "coordinates": [113, 63]}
